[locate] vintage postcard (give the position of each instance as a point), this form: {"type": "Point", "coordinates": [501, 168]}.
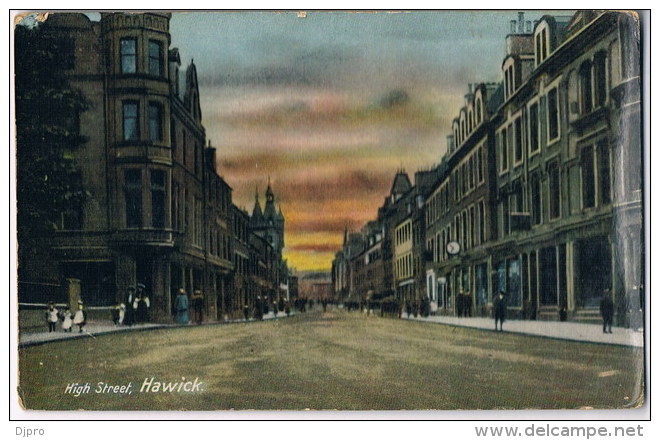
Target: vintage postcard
{"type": "Point", "coordinates": [330, 211]}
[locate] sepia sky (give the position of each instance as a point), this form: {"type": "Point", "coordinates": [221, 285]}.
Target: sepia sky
{"type": "Point", "coordinates": [330, 105]}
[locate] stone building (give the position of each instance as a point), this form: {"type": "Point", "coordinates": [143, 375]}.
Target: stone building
{"type": "Point", "coordinates": [158, 213]}
{"type": "Point", "coordinates": [539, 194]}
{"type": "Point", "coordinates": [539, 213]}
{"type": "Point", "coordinates": [459, 208]}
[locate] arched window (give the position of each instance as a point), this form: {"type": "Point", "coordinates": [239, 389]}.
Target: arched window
{"type": "Point", "coordinates": [586, 103]}
{"type": "Point", "coordinates": [600, 79]}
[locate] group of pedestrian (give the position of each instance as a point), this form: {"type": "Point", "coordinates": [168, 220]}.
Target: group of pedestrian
{"type": "Point", "coordinates": [135, 310]}
{"type": "Point", "coordinates": [464, 305]}
{"type": "Point", "coordinates": [67, 319]}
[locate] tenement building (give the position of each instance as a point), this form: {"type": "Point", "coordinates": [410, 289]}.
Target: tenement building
{"type": "Point", "coordinates": [539, 194]}
{"type": "Point", "coordinates": [157, 211]}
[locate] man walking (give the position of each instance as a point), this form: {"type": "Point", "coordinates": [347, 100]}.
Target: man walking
{"type": "Point", "coordinates": [607, 311]}
{"type": "Point", "coordinates": [499, 310]}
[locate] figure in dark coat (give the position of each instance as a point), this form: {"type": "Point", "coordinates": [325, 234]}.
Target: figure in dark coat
{"type": "Point", "coordinates": [143, 309]}
{"type": "Point", "coordinates": [499, 309]}
{"type": "Point", "coordinates": [198, 306]}
{"type": "Point", "coordinates": [607, 311]}
{"type": "Point", "coordinates": [258, 309]}
{"type": "Point", "coordinates": [129, 316]}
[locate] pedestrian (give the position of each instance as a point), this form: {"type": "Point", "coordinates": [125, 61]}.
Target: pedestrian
{"type": "Point", "coordinates": [408, 309]}
{"type": "Point", "coordinates": [181, 307]}
{"type": "Point", "coordinates": [287, 309]}
{"type": "Point", "coordinates": [131, 305]}
{"type": "Point", "coordinates": [67, 320]}
{"type": "Point", "coordinates": [51, 317]}
{"type": "Point", "coordinates": [607, 311]}
{"type": "Point", "coordinates": [122, 313]}
{"type": "Point", "coordinates": [80, 318]}
{"type": "Point", "coordinates": [258, 309]}
{"type": "Point", "coordinates": [246, 312]}
{"type": "Point", "coordinates": [143, 304]}
{"type": "Point", "coordinates": [116, 311]}
{"type": "Point", "coordinates": [499, 309]}
{"type": "Point", "coordinates": [198, 306]}
{"type": "Point", "coordinates": [467, 305]}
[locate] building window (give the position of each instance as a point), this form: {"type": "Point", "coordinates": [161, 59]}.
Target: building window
{"type": "Point", "coordinates": [533, 128]}
{"type": "Point", "coordinates": [173, 137]}
{"type": "Point", "coordinates": [464, 230]}
{"type": "Point", "coordinates": [482, 222]}
{"type": "Point", "coordinates": [474, 234]}
{"type": "Point", "coordinates": [600, 79]}
{"type": "Point", "coordinates": [553, 190]}
{"type": "Point", "coordinates": [158, 189]}
{"type": "Point", "coordinates": [479, 165]}
{"type": "Point", "coordinates": [155, 121]}
{"type": "Point", "coordinates": [155, 58]}
{"type": "Point", "coordinates": [587, 169]}
{"type": "Point", "coordinates": [504, 158]}
{"type": "Point", "coordinates": [518, 146]}
{"type": "Point", "coordinates": [604, 174]}
{"type": "Point", "coordinates": [196, 158]}
{"type": "Point", "coordinates": [131, 121]}
{"type": "Point", "coordinates": [174, 209]}
{"type": "Point", "coordinates": [544, 44]}
{"type": "Point", "coordinates": [478, 110]}
{"type": "Point", "coordinates": [470, 172]}
{"type": "Point", "coordinates": [585, 87]}
{"type": "Point", "coordinates": [128, 49]}
{"type": "Point", "coordinates": [133, 197]}
{"type": "Point", "coordinates": [535, 198]}
{"type": "Point", "coordinates": [553, 115]}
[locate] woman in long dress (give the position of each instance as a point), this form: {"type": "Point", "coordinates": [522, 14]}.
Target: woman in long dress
{"type": "Point", "coordinates": [181, 308]}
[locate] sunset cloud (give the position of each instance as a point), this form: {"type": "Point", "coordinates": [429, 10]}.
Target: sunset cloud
{"type": "Point", "coordinates": [330, 106]}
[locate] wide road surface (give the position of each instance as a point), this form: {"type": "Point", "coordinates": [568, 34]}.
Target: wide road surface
{"type": "Point", "coordinates": [337, 360]}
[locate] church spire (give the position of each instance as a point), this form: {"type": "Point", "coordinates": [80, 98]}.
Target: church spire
{"type": "Point", "coordinates": [256, 212]}
{"type": "Point", "coordinates": [270, 197]}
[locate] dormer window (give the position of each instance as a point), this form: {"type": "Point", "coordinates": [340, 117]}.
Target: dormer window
{"type": "Point", "coordinates": [509, 68]}
{"type": "Point", "coordinates": [541, 43]}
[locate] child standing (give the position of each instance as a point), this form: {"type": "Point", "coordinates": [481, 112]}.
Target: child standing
{"type": "Point", "coordinates": [80, 318]}
{"type": "Point", "coordinates": [51, 317]}
{"type": "Point", "coordinates": [67, 320]}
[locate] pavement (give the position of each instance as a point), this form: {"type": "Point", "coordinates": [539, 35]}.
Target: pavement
{"type": "Point", "coordinates": [572, 331]}
{"type": "Point", "coordinates": [103, 327]}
